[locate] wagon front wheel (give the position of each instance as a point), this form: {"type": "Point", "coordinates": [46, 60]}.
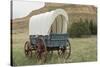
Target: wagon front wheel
{"type": "Point", "coordinates": [27, 49]}
{"type": "Point", "coordinates": [68, 50]}
{"type": "Point", "coordinates": [65, 51]}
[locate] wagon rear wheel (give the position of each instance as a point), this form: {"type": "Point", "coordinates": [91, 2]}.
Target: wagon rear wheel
{"type": "Point", "coordinates": [28, 49]}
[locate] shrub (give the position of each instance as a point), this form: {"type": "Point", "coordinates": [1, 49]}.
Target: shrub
{"type": "Point", "coordinates": [78, 29]}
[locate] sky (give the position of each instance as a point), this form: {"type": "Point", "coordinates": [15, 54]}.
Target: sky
{"type": "Point", "coordinates": [23, 8]}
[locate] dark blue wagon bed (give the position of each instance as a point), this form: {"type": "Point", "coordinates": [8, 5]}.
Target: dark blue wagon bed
{"type": "Point", "coordinates": [52, 40]}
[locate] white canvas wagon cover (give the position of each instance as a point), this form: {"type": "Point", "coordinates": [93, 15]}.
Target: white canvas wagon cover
{"type": "Point", "coordinates": [41, 24]}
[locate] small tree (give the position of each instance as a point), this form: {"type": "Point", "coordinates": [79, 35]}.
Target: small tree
{"type": "Point", "coordinates": [78, 29]}
{"type": "Point", "coordinates": [93, 27]}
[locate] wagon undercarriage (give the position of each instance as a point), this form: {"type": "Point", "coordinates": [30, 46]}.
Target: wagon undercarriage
{"type": "Point", "coordinates": [44, 45]}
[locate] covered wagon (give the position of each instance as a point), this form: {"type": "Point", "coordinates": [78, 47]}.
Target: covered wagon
{"type": "Point", "coordinates": [48, 33]}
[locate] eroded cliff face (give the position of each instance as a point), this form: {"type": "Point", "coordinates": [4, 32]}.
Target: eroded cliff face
{"type": "Point", "coordinates": [75, 12]}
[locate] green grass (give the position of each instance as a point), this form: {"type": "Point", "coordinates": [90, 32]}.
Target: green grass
{"type": "Point", "coordinates": [83, 50]}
